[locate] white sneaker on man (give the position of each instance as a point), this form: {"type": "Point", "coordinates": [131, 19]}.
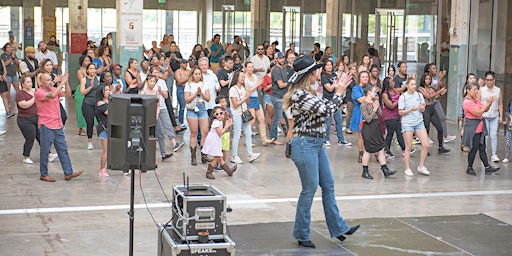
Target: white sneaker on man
{"type": "Point", "coordinates": [409, 173]}
{"type": "Point", "coordinates": [423, 170]}
{"type": "Point", "coordinates": [505, 160]}
{"type": "Point", "coordinates": [495, 158]}
{"type": "Point", "coordinates": [90, 146]}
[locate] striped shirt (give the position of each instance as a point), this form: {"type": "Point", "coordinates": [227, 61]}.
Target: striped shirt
{"type": "Point", "coordinates": [309, 111]}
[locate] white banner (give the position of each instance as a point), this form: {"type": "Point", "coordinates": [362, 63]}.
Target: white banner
{"type": "Point", "coordinates": [129, 23]}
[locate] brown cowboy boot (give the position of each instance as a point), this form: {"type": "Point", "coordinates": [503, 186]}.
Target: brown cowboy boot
{"type": "Point", "coordinates": [193, 159]}
{"type": "Point", "coordinates": [263, 134]}
{"type": "Point", "coordinates": [209, 172]}
{"type": "Point", "coordinates": [228, 170]}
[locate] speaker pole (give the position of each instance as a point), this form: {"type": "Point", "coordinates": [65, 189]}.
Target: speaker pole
{"type": "Point", "coordinates": [131, 213]}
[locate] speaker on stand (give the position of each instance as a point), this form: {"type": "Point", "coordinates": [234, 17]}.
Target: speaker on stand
{"type": "Point", "coordinates": [131, 139]}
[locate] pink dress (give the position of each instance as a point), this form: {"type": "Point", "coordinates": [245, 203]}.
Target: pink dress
{"type": "Point", "coordinates": [213, 142]}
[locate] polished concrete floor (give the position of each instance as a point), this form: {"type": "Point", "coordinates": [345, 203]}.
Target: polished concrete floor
{"type": "Point", "coordinates": [420, 215]}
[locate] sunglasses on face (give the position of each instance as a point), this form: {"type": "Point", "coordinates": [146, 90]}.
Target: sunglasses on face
{"type": "Point", "coordinates": [219, 113]}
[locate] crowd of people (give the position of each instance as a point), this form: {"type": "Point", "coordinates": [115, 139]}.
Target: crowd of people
{"type": "Point", "coordinates": [222, 89]}
{"type": "Point", "coordinates": [255, 84]}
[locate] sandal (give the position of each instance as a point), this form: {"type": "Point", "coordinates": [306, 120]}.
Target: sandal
{"type": "Point", "coordinates": [82, 133]}
{"type": "Point", "coordinates": [347, 131]}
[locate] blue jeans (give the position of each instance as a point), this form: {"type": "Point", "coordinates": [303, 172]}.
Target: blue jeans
{"type": "Point", "coordinates": [180, 95]}
{"type": "Point", "coordinates": [55, 136]}
{"type": "Point", "coordinates": [492, 126]}
{"type": "Point", "coordinates": [339, 127]}
{"type": "Point", "coordinates": [311, 159]}
{"type": "Point", "coordinates": [278, 114]}
{"type": "Point", "coordinates": [237, 128]}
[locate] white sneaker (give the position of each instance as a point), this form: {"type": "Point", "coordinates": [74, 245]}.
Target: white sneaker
{"type": "Point", "coordinates": [423, 170]}
{"type": "Point", "coordinates": [495, 158]}
{"type": "Point", "coordinates": [279, 129]}
{"type": "Point", "coordinates": [449, 138]}
{"type": "Point", "coordinates": [52, 157]}
{"type": "Point", "coordinates": [236, 160]}
{"type": "Point", "coordinates": [505, 160]}
{"type": "Point", "coordinates": [409, 173]}
{"type": "Point", "coordinates": [27, 161]}
{"type": "Point", "coordinates": [327, 143]}
{"type": "Point", "coordinates": [2, 133]}
{"type": "Point", "coordinates": [90, 146]}
{"type": "Point", "coordinates": [254, 156]}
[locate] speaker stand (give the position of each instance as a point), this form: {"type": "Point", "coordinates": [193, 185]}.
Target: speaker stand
{"type": "Point", "coordinates": [131, 213]}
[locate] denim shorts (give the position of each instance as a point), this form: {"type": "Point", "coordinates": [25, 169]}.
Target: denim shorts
{"type": "Point", "coordinates": [13, 79]}
{"type": "Point", "coordinates": [419, 126]}
{"type": "Point", "coordinates": [103, 135]}
{"type": "Point", "coordinates": [254, 103]}
{"type": "Point", "coordinates": [267, 100]}
{"type": "Point", "coordinates": [202, 113]}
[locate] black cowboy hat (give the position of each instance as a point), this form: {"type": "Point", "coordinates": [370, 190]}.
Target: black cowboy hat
{"type": "Point", "coordinates": [303, 66]}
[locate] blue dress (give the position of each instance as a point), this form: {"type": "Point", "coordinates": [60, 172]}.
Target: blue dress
{"type": "Point", "coordinates": [357, 117]}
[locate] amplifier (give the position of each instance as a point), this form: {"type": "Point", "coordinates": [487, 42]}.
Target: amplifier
{"type": "Point", "coordinates": [170, 244]}
{"type": "Point", "coordinates": [198, 208]}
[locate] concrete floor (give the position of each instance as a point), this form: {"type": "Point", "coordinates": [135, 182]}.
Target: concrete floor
{"type": "Point", "coordinates": [88, 215]}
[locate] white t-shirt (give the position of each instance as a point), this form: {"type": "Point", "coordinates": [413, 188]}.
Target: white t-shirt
{"type": "Point", "coordinates": [238, 93]}
{"type": "Point", "coordinates": [49, 55]}
{"type": "Point", "coordinates": [407, 101]}
{"type": "Point", "coordinates": [191, 87]}
{"type": "Point", "coordinates": [260, 63]}
{"type": "Point", "coordinates": [211, 81]}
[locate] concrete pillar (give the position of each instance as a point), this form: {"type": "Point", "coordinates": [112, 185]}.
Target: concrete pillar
{"type": "Point", "coordinates": [499, 35]}
{"type": "Point", "coordinates": [459, 50]}
{"type": "Point", "coordinates": [333, 26]}
{"type": "Point", "coordinates": [260, 23]}
{"type": "Point", "coordinates": [129, 30]}
{"type": "Point", "coordinates": [206, 21]}
{"type": "Point", "coordinates": [28, 24]}
{"type": "Point", "coordinates": [49, 19]}
{"type": "Point", "coordinates": [77, 36]}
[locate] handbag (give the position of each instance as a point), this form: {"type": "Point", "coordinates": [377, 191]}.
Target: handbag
{"type": "Point", "coordinates": [246, 114]}
{"type": "Point", "coordinates": [191, 105]}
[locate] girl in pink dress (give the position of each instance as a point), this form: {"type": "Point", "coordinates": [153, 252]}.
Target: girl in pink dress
{"type": "Point", "coordinates": [213, 143]}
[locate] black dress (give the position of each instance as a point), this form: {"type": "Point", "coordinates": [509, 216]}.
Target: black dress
{"type": "Point", "coordinates": [371, 131]}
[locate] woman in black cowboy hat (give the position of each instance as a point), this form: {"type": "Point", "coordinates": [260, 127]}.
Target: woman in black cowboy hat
{"type": "Point", "coordinates": [309, 111]}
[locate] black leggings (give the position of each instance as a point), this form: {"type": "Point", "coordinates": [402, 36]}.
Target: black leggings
{"type": "Point", "coordinates": [477, 146]}
{"type": "Point", "coordinates": [168, 104]}
{"type": "Point", "coordinates": [29, 129]}
{"type": "Point", "coordinates": [394, 126]}
{"type": "Point", "coordinates": [88, 113]}
{"type": "Point", "coordinates": [430, 116]}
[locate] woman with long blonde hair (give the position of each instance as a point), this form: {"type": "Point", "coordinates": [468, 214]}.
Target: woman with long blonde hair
{"type": "Point", "coordinates": [309, 110]}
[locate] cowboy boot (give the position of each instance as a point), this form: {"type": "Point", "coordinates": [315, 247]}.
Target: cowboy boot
{"type": "Point", "coordinates": [193, 160]}
{"type": "Point", "coordinates": [209, 172]}
{"type": "Point", "coordinates": [263, 134]}
{"type": "Point", "coordinates": [228, 170]}
{"type": "Point", "coordinates": [204, 158]}
{"type": "Point", "coordinates": [360, 157]}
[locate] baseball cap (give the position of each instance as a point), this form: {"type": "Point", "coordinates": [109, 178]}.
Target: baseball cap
{"type": "Point", "coordinates": [116, 65]}
{"type": "Point", "coordinates": [183, 61]}
{"type": "Point", "coordinates": [279, 55]}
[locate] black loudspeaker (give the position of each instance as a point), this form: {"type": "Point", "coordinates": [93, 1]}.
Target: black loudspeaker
{"type": "Point", "coordinates": [132, 132]}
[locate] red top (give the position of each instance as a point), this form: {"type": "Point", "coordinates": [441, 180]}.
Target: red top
{"type": "Point", "coordinates": [267, 84]}
{"type": "Point", "coordinates": [48, 110]}
{"type": "Point", "coordinates": [468, 106]}
{"type": "Point", "coordinates": [25, 112]}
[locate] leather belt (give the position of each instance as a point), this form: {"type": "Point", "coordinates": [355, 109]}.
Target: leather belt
{"type": "Point", "coordinates": [310, 134]}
